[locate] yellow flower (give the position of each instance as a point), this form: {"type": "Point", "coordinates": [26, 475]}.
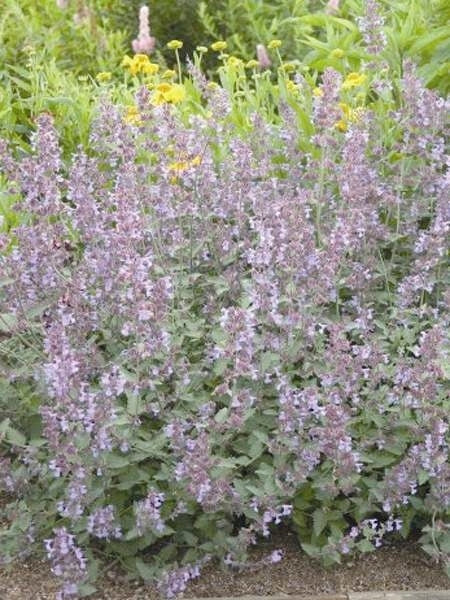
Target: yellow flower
{"type": "Point", "coordinates": [169, 74]}
{"type": "Point", "coordinates": [219, 46]}
{"type": "Point", "coordinates": [132, 115]}
{"type": "Point", "coordinates": [337, 53]}
{"type": "Point", "coordinates": [252, 64]}
{"type": "Point", "coordinates": [179, 167]}
{"type": "Point", "coordinates": [182, 165]}
{"type": "Point", "coordinates": [274, 44]}
{"type": "Point", "coordinates": [140, 63]}
{"type": "Point", "coordinates": [177, 93]}
{"type": "Point", "coordinates": [150, 68]}
{"type": "Point", "coordinates": [291, 87]}
{"type": "Point", "coordinates": [345, 108]}
{"type": "Point", "coordinates": [202, 49]}
{"type": "Point", "coordinates": [318, 92]}
{"type": "Point", "coordinates": [164, 87]}
{"type": "Point", "coordinates": [234, 61]}
{"type": "Point", "coordinates": [175, 44]}
{"type": "Point", "coordinates": [212, 85]}
{"type": "Point", "coordinates": [350, 115]}
{"type": "Point", "coordinates": [103, 76]}
{"type": "Point", "coordinates": [353, 80]}
{"type": "Point", "coordinates": [341, 125]}
{"type": "Point", "coordinates": [159, 96]}
{"type": "Point", "coordinates": [168, 92]}
{"type": "Point", "coordinates": [126, 61]}
{"type": "Point", "coordinates": [288, 67]}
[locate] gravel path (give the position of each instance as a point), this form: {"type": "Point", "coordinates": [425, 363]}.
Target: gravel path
{"type": "Point", "coordinates": [398, 566]}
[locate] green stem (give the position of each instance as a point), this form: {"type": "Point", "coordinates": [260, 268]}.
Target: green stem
{"type": "Point", "coordinates": [179, 65]}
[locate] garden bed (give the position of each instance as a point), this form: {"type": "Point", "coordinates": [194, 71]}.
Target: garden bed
{"type": "Point", "coordinates": [397, 566]}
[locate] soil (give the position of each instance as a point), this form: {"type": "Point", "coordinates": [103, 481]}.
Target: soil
{"type": "Point", "coordinates": [398, 565]}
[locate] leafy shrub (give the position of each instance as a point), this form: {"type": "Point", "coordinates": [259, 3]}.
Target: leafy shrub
{"type": "Point", "coordinates": [168, 21]}
{"type": "Point", "coordinates": [43, 52]}
{"type": "Point", "coordinates": [206, 330]}
{"type": "Point", "coordinates": [76, 38]}
{"type": "Point", "coordinates": [414, 29]}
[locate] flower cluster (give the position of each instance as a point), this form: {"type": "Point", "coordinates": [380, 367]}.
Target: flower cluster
{"type": "Point", "coordinates": [140, 63]}
{"type": "Point", "coordinates": [102, 523]}
{"type": "Point", "coordinates": [223, 331]}
{"type": "Point", "coordinates": [148, 515]}
{"type": "Point", "coordinates": [68, 562]}
{"type": "Point", "coordinates": [144, 43]}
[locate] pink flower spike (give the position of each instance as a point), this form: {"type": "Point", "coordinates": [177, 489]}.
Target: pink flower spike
{"type": "Point", "coordinates": [144, 43]}
{"type": "Point", "coordinates": [332, 7]}
{"type": "Point", "coordinates": [262, 56]}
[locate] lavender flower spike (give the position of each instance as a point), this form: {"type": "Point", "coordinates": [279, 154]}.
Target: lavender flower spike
{"type": "Point", "coordinates": [68, 562]}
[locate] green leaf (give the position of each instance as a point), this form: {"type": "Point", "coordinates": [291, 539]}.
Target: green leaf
{"type": "Point", "coordinates": [116, 461]}
{"type": "Point", "coordinates": [319, 521]}
{"type": "Point", "coordinates": [423, 477]}
{"type": "Point", "coordinates": [311, 550]}
{"type": "Point", "coordinates": [15, 437]}
{"type": "Point", "coordinates": [365, 546]}
{"type": "Point", "coordinates": [222, 415]}
{"type": "Point", "coordinates": [7, 323]}
{"type": "Point", "coordinates": [86, 589]}
{"type": "Point", "coordinates": [145, 570]}
{"type": "Point", "coordinates": [134, 404]}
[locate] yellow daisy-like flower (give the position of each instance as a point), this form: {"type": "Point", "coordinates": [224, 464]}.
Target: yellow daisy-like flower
{"type": "Point", "coordinates": [133, 116]}
{"type": "Point", "coordinates": [175, 44]}
{"type": "Point", "coordinates": [353, 80]}
{"type": "Point", "coordinates": [177, 93]}
{"type": "Point", "coordinates": [168, 92]}
{"type": "Point", "coordinates": [274, 44]}
{"type": "Point", "coordinates": [182, 165]}
{"type": "Point", "coordinates": [179, 167]}
{"type": "Point", "coordinates": [350, 115]}
{"type": "Point", "coordinates": [140, 63]}
{"type": "Point", "coordinates": [341, 125]}
{"type": "Point", "coordinates": [150, 68]}
{"type": "Point", "coordinates": [160, 94]}
{"type": "Point", "coordinates": [103, 76]}
{"type": "Point", "coordinates": [185, 164]}
{"type": "Point", "coordinates": [219, 46]}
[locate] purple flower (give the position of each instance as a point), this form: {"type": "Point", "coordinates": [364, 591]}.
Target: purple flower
{"type": "Point", "coordinates": [148, 515]}
{"type": "Point", "coordinates": [102, 523]}
{"type": "Point", "coordinates": [276, 556]}
{"type": "Point", "coordinates": [175, 582]}
{"type": "Point", "coordinates": [68, 562]}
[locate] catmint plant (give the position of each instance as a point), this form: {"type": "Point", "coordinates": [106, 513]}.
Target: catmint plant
{"type": "Point", "coordinates": [206, 341]}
